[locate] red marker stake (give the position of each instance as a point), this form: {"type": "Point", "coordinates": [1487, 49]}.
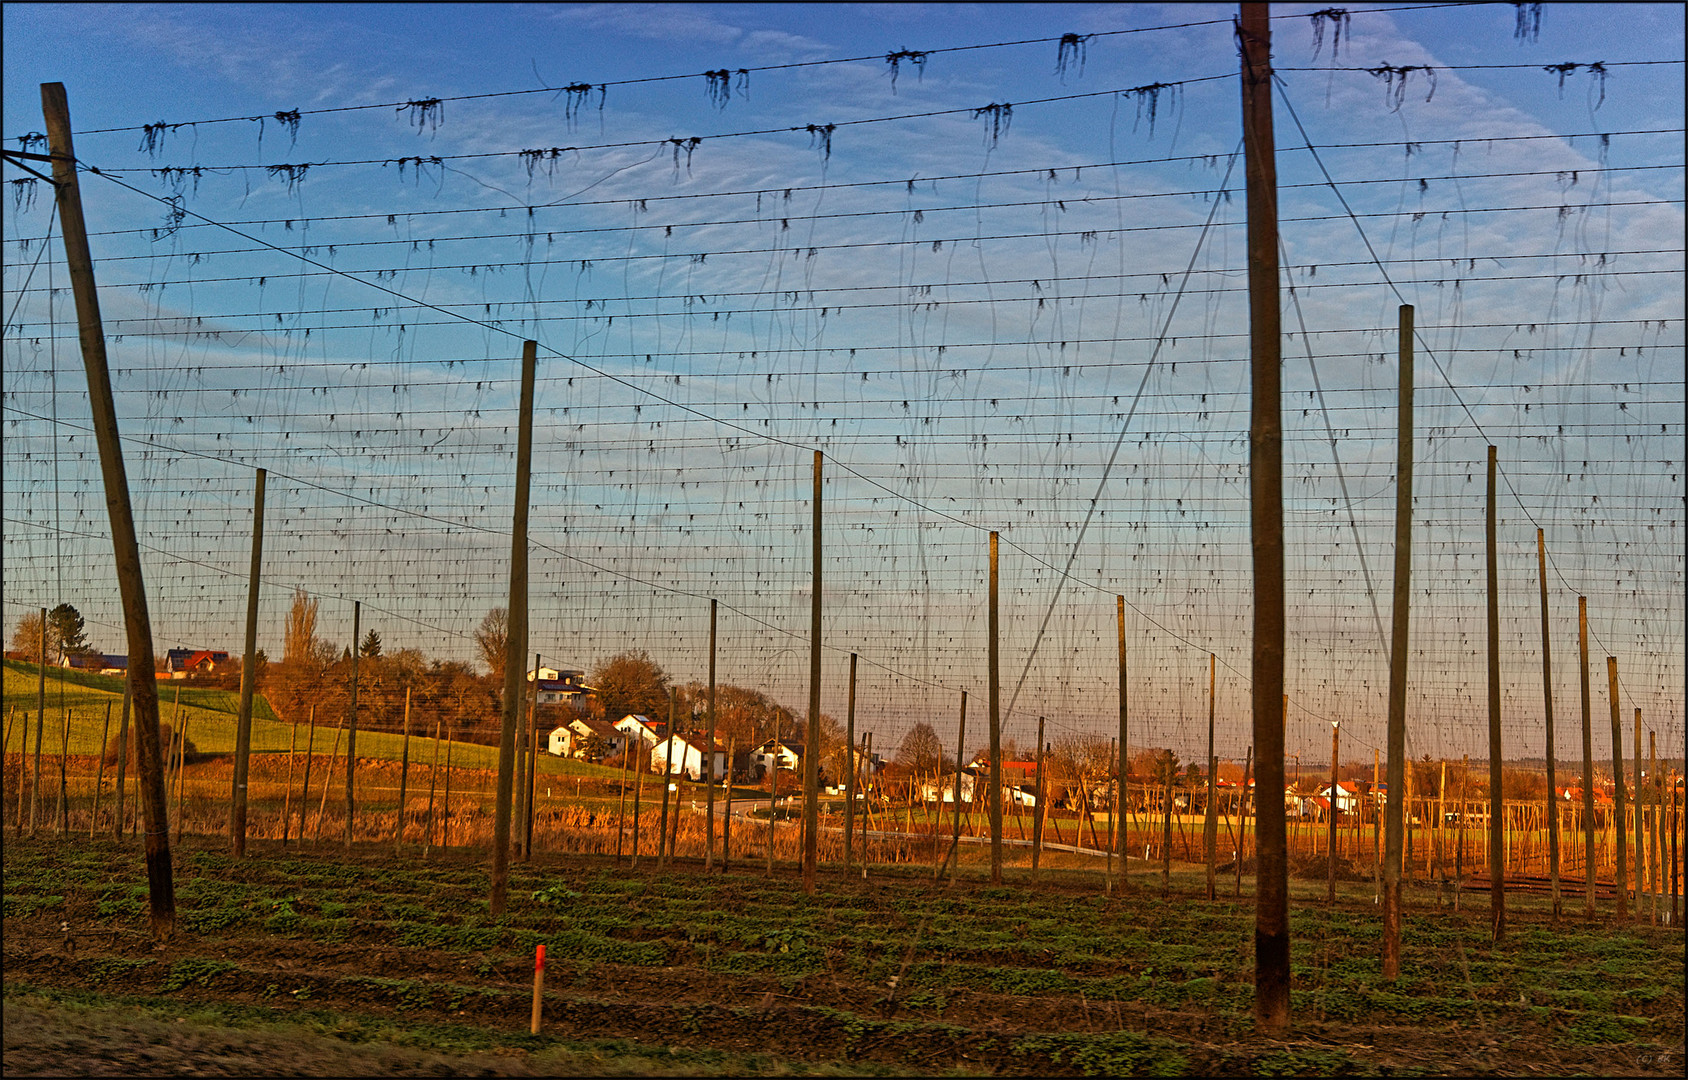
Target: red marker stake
{"type": "Point", "coordinates": [538, 987]}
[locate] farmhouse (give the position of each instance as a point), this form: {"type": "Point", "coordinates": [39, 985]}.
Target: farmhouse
{"type": "Point", "coordinates": [582, 734]}
{"type": "Point", "coordinates": [181, 662]}
{"type": "Point", "coordinates": [1347, 797]}
{"type": "Point", "coordinates": [689, 758]}
{"type": "Point", "coordinates": [641, 728]}
{"type": "Point", "coordinates": [558, 686]}
{"type": "Point", "coordinates": [775, 754]}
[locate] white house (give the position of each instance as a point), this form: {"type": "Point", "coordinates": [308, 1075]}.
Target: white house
{"type": "Point", "coordinates": [557, 686]}
{"type": "Point", "coordinates": [640, 727]}
{"type": "Point", "coordinates": [775, 754]}
{"type": "Point", "coordinates": [571, 739]}
{"type": "Point", "coordinates": [689, 758]}
{"type": "Point", "coordinates": [1347, 797]}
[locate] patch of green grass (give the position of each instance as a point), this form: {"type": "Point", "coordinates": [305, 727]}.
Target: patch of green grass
{"type": "Point", "coordinates": [195, 972]}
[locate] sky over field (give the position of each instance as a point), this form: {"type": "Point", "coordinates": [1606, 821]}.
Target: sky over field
{"type": "Point", "coordinates": [988, 259]}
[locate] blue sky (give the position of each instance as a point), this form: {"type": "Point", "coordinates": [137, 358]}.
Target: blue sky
{"type": "Point", "coordinates": [967, 293]}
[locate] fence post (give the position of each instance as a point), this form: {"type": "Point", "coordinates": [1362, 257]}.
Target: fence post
{"type": "Point", "coordinates": [1620, 822]}
{"type": "Point", "coordinates": [248, 679]}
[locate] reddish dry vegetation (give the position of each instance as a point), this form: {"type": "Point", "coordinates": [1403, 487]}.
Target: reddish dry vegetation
{"type": "Point", "coordinates": [395, 959]}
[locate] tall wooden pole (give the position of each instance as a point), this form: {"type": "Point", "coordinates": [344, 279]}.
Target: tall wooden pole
{"type": "Point", "coordinates": [709, 752]}
{"type": "Point", "coordinates": [1124, 764]}
{"type": "Point", "coordinates": [867, 806]}
{"type": "Point", "coordinates": [1620, 821]}
{"type": "Point", "coordinates": [1038, 809]}
{"type": "Point", "coordinates": [1210, 827]}
{"type": "Point", "coordinates": [812, 751]}
{"type": "Point", "coordinates": [248, 679]}
{"type": "Point", "coordinates": [1396, 741]}
{"type": "Point", "coordinates": [404, 774]}
{"type": "Point", "coordinates": [1335, 801]}
{"type": "Point", "coordinates": [1587, 761]}
{"type": "Point", "coordinates": [518, 816]}
{"type": "Point", "coordinates": [1497, 822]}
{"type": "Point", "coordinates": [1547, 707]}
{"type": "Point", "coordinates": [1638, 801]}
{"type": "Point", "coordinates": [1271, 918]}
{"type": "Point", "coordinates": [125, 546]}
{"type": "Point", "coordinates": [993, 799]}
{"type": "Point", "coordinates": [352, 723]}
{"type": "Point", "coordinates": [516, 640]}
{"type": "Point", "coordinates": [853, 767]}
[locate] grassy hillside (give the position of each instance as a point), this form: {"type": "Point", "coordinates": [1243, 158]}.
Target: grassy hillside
{"type": "Point", "coordinates": [210, 717]}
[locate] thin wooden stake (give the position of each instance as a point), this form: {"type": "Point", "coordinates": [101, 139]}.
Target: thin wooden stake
{"type": "Point", "coordinates": [287, 791]}
{"type": "Point", "coordinates": [1547, 713]}
{"type": "Point", "coordinates": [40, 724]}
{"type": "Point", "coordinates": [727, 813]}
{"type": "Point", "coordinates": [305, 788]}
{"type": "Point", "coordinates": [993, 798]}
{"type": "Point", "coordinates": [181, 777]}
{"type": "Point", "coordinates": [1589, 859]}
{"type": "Point", "coordinates": [960, 757]}
{"type": "Point", "coordinates": [709, 751]}
{"type": "Point", "coordinates": [538, 990]}
{"type": "Point", "coordinates": [1638, 801]}
{"type": "Point", "coordinates": [1620, 821]}
{"type": "Point", "coordinates": [352, 724]}
{"type": "Point", "coordinates": [433, 779]}
{"type": "Point", "coordinates": [327, 782]}
{"type": "Point", "coordinates": [404, 775]}
{"type": "Point", "coordinates": [1122, 760]}
{"type": "Point", "coordinates": [532, 754]}
{"type": "Point", "coordinates": [1210, 826]}
{"type": "Point", "coordinates": [99, 777]}
{"type": "Point", "coordinates": [1040, 809]}
{"type": "Point", "coordinates": [812, 752]}
{"type": "Point", "coordinates": [1242, 821]}
{"type": "Point", "coordinates": [621, 809]}
{"type": "Point", "coordinates": [667, 781]}
{"type": "Point", "coordinates": [638, 796]}
{"type": "Point", "coordinates": [1335, 801]}
{"type": "Point", "coordinates": [852, 771]}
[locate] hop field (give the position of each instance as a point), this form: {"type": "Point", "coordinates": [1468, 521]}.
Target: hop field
{"type": "Point", "coordinates": [295, 957]}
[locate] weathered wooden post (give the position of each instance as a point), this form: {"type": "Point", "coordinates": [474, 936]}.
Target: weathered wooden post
{"type": "Point", "coordinates": [248, 679]}
{"type": "Point", "coordinates": [638, 795]}
{"type": "Point", "coordinates": [1393, 831]}
{"type": "Point", "coordinates": [1653, 881]}
{"type": "Point", "coordinates": [1497, 808]}
{"type": "Point", "coordinates": [1620, 822]}
{"type": "Point", "coordinates": [122, 760]}
{"type": "Point", "coordinates": [1271, 920]}
{"type": "Point", "coordinates": [516, 641]}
